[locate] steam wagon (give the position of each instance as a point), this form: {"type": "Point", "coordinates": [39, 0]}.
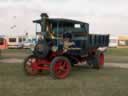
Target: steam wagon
{"type": "Point", "coordinates": [63, 43]}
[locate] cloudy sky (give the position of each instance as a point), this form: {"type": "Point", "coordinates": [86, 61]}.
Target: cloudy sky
{"type": "Point", "coordinates": [104, 16]}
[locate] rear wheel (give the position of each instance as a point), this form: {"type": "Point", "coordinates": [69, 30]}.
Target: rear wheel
{"type": "Point", "coordinates": [60, 67]}
{"type": "Point", "coordinates": [28, 65]}
{"type": "Point", "coordinates": [99, 61]}
{"type": "Point", "coordinates": [96, 61]}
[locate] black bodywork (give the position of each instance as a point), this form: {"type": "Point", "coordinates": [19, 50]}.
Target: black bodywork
{"type": "Point", "coordinates": [83, 41]}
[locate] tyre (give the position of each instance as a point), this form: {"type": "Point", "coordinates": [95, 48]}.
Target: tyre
{"type": "Point", "coordinates": [60, 67]}
{"type": "Point", "coordinates": [29, 61]}
{"type": "Point", "coordinates": [96, 61]}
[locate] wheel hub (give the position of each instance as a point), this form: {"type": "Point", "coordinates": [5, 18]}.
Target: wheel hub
{"type": "Point", "coordinates": [61, 69]}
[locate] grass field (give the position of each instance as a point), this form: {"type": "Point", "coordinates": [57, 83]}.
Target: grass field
{"type": "Point", "coordinates": [117, 55]}
{"type": "Point", "coordinates": [117, 52]}
{"type": "Point", "coordinates": [81, 82]}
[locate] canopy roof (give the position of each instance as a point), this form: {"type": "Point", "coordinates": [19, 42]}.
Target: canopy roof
{"type": "Point", "coordinates": [61, 20]}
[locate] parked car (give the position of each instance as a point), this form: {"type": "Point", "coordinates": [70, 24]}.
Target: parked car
{"type": "Point", "coordinates": [29, 43]}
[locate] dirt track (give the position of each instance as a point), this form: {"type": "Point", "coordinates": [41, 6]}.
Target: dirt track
{"type": "Point", "coordinates": [11, 60]}
{"type": "Point", "coordinates": [119, 65]}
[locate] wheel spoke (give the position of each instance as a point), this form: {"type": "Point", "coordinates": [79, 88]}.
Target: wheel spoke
{"type": "Point", "coordinates": [58, 72]}
{"type": "Point", "coordinates": [57, 67]}
{"type": "Point", "coordinates": [63, 64]}
{"type": "Point", "coordinates": [33, 60]}
{"type": "Point", "coordinates": [28, 63]}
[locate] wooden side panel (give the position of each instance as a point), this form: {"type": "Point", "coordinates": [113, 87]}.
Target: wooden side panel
{"type": "Point", "coordinates": [95, 41]}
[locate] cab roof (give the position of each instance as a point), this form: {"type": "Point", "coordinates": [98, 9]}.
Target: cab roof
{"type": "Point", "coordinates": [61, 20]}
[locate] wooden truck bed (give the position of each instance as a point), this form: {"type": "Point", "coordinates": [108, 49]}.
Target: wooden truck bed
{"type": "Point", "coordinates": [95, 40]}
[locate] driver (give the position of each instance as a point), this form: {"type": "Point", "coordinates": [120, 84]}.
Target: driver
{"type": "Point", "coordinates": [68, 43]}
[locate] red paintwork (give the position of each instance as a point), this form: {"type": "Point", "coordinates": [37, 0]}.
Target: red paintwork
{"type": "Point", "coordinates": [101, 59]}
{"type": "Point", "coordinates": [41, 64]}
{"type": "Point", "coordinates": [61, 69]}
{"type": "Point", "coordinates": [4, 45]}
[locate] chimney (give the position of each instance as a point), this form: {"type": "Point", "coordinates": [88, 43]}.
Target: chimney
{"type": "Point", "coordinates": [44, 18]}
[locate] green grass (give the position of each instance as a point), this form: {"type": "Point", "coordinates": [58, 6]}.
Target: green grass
{"type": "Point", "coordinates": [116, 59]}
{"type": "Point", "coordinates": [116, 55]}
{"type": "Point", "coordinates": [81, 82]}
{"type": "Point", "coordinates": [117, 52]}
{"type": "Point", "coordinates": [16, 50]}
{"type": "Point", "coordinates": [15, 53]}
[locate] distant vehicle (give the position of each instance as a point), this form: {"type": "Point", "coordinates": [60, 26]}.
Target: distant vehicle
{"type": "Point", "coordinates": [27, 44]}
{"type": "Point", "coordinates": [123, 41]}
{"type": "Point", "coordinates": [62, 44]}
{"type": "Point", "coordinates": [3, 42]}
{"type": "Point", "coordinates": [30, 43]}
{"type": "Point", "coordinates": [15, 42]}
{"type": "Point", "coordinates": [113, 41]}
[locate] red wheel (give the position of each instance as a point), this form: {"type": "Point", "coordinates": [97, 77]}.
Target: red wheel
{"type": "Point", "coordinates": [28, 65]}
{"type": "Point", "coordinates": [60, 67]}
{"type": "Point", "coordinates": [96, 61]}
{"type": "Point", "coordinates": [101, 60]}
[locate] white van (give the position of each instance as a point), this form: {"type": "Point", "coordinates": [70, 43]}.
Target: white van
{"type": "Point", "coordinates": [15, 42]}
{"type": "Point", "coordinates": [113, 41]}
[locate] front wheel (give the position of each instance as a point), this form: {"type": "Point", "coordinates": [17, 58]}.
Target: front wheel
{"type": "Point", "coordinates": [60, 67]}
{"type": "Point", "coordinates": [28, 63]}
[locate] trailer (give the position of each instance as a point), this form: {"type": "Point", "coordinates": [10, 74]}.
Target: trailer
{"type": "Point", "coordinates": [62, 44]}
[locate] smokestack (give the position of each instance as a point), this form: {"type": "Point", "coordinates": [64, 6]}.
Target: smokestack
{"type": "Point", "coordinates": [44, 18]}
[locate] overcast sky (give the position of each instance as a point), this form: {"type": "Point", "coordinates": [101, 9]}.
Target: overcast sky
{"type": "Point", "coordinates": [104, 16]}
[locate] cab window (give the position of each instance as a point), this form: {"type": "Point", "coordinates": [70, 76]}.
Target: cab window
{"type": "Point", "coordinates": [12, 39]}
